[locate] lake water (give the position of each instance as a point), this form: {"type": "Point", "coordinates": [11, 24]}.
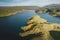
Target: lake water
{"type": "Point", "coordinates": [50, 18]}
{"type": "Point", "coordinates": [11, 25]}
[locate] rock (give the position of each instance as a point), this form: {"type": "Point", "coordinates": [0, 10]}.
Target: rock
{"type": "Point", "coordinates": [36, 19]}
{"type": "Point", "coordinates": [56, 14]}
{"type": "Point", "coordinates": [37, 25]}
{"type": "Point", "coordinates": [41, 10]}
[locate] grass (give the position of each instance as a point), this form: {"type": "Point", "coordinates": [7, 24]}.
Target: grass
{"type": "Point", "coordinates": [7, 11]}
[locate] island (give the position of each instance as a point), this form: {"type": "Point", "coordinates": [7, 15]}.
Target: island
{"type": "Point", "coordinates": [41, 10]}
{"type": "Point", "coordinates": [53, 9]}
{"type": "Point", "coordinates": [55, 14]}
{"type": "Point", "coordinates": [36, 25]}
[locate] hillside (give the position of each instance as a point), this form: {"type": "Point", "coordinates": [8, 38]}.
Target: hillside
{"type": "Point", "coordinates": [54, 9]}
{"type": "Point", "coordinates": [20, 7]}
{"type": "Point", "coordinates": [39, 26]}
{"type": "Point", "coordinates": [11, 10]}
{"type": "Point", "coordinates": [52, 6]}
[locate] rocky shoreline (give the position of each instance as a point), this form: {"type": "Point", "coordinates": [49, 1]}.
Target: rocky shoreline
{"type": "Point", "coordinates": [37, 25]}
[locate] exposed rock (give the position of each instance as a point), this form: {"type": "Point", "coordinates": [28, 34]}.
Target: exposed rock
{"type": "Point", "coordinates": [37, 25]}
{"type": "Point", "coordinates": [56, 14]}
{"type": "Point", "coordinates": [41, 10]}
{"type": "Point", "coordinates": [36, 19]}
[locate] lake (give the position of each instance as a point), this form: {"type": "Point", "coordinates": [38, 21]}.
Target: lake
{"type": "Point", "coordinates": [50, 18]}
{"type": "Point", "coordinates": [10, 26]}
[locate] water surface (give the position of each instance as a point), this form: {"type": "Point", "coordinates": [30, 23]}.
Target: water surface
{"type": "Point", "coordinates": [10, 26]}
{"type": "Point", "coordinates": [50, 18]}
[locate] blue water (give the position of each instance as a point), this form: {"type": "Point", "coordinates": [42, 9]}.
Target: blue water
{"type": "Point", "coordinates": [50, 18]}
{"type": "Point", "coordinates": [12, 24]}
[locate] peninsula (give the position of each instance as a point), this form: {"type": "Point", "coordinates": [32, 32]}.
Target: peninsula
{"type": "Point", "coordinates": [37, 25]}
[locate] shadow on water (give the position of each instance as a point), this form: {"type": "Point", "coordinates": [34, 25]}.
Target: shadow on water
{"type": "Point", "coordinates": [55, 35]}
{"type": "Point", "coordinates": [31, 36]}
{"type": "Point", "coordinates": [10, 26]}
{"type": "Point", "coordinates": [57, 16]}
